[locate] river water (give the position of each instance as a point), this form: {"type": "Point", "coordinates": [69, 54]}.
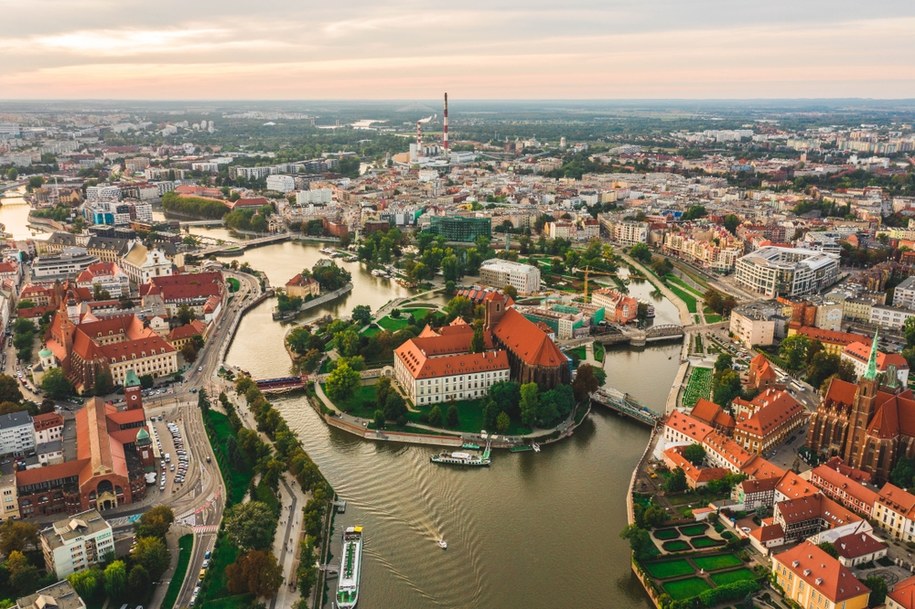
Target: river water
{"type": "Point", "coordinates": [534, 530]}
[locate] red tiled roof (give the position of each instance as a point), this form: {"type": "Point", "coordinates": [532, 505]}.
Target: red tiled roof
{"type": "Point", "coordinates": [687, 425]}
{"type": "Point", "coordinates": [857, 544]}
{"type": "Point", "coordinates": [793, 486]}
{"type": "Point", "coordinates": [132, 349]}
{"type": "Point", "coordinates": [194, 328]}
{"type": "Point", "coordinates": [761, 469]}
{"type": "Point", "coordinates": [897, 499]}
{"type": "Point", "coordinates": [50, 472]}
{"type": "Point", "coordinates": [768, 532]}
{"type": "Point", "coordinates": [697, 474]}
{"type": "Point", "coordinates": [836, 479]}
{"type": "Point", "coordinates": [524, 339]}
{"type": "Point", "coordinates": [182, 287]}
{"type": "Point", "coordinates": [821, 572]}
{"type": "Point", "coordinates": [776, 407]}
{"type": "Point", "coordinates": [711, 413]}
{"type": "Point", "coordinates": [830, 336]}
{"type": "Point", "coordinates": [862, 351]}
{"type": "Point", "coordinates": [47, 421]}
{"type": "Point", "coordinates": [815, 507]}
{"type": "Point", "coordinates": [904, 593]}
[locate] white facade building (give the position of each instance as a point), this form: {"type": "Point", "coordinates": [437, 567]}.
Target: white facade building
{"type": "Point", "coordinates": [142, 264]}
{"type": "Point", "coordinates": [784, 271]}
{"type": "Point", "coordinates": [280, 183]}
{"type": "Point", "coordinates": [904, 294]}
{"type": "Point", "coordinates": [320, 196]}
{"type": "Point", "coordinates": [76, 543]}
{"type": "Point", "coordinates": [892, 318]}
{"type": "Point", "coordinates": [17, 434]}
{"type": "Point", "coordinates": [500, 273]}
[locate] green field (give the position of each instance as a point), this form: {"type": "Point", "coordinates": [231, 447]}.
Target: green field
{"type": "Point", "coordinates": [393, 325]}
{"type": "Point", "coordinates": [185, 543]}
{"type": "Point", "coordinates": [698, 386]}
{"type": "Point", "coordinates": [240, 601]}
{"type": "Point", "coordinates": [577, 353]}
{"type": "Point", "coordinates": [688, 299]}
{"type": "Point", "coordinates": [714, 318]}
{"type": "Point", "coordinates": [729, 577]}
{"type": "Point", "coordinates": [677, 545]}
{"type": "Point", "coordinates": [716, 563]}
{"type": "Point", "coordinates": [665, 569]}
{"type": "Point", "coordinates": [705, 542]}
{"type": "Point", "coordinates": [234, 284]}
{"type": "Point", "coordinates": [685, 588]}
{"type": "Point", "coordinates": [666, 534]}
{"type": "Point", "coordinates": [470, 417]}
{"type": "Point", "coordinates": [361, 404]}
{"type": "Point", "coordinates": [237, 481]}
{"type": "Point", "coordinates": [693, 530]}
{"type": "Point", "coordinates": [371, 331]}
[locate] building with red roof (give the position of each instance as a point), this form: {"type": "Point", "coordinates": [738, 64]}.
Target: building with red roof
{"type": "Point", "coordinates": [902, 596]}
{"type": "Point", "coordinates": [767, 420]}
{"type": "Point", "coordinates": [857, 354]}
{"type": "Point", "coordinates": [108, 276]}
{"type": "Point", "coordinates": [833, 479]}
{"type": "Point", "coordinates": [761, 375]}
{"type": "Point", "coordinates": [696, 477]}
{"type": "Point", "coordinates": [713, 415]}
{"type": "Point", "coordinates": [859, 547]}
{"type": "Point", "coordinates": [815, 580]}
{"type": "Point", "coordinates": [806, 516]}
{"type": "Point", "coordinates": [113, 449]}
{"type": "Point", "coordinates": [193, 290]}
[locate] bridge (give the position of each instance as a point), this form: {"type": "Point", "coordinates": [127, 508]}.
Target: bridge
{"type": "Point", "coordinates": [240, 246]}
{"type": "Point", "coordinates": [281, 384]}
{"type": "Point", "coordinates": [184, 223]}
{"type": "Point", "coordinates": [663, 332]}
{"type": "Point", "coordinates": [624, 404]}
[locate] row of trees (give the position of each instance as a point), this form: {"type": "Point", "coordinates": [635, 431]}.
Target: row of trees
{"type": "Point", "coordinates": [801, 355]}
{"type": "Point", "coordinates": [249, 219]}
{"type": "Point", "coordinates": [196, 207]}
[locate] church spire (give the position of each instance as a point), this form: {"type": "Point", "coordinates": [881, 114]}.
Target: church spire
{"type": "Point", "coordinates": [871, 372]}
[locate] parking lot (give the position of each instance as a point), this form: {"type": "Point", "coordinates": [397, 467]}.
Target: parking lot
{"type": "Point", "coordinates": [174, 459]}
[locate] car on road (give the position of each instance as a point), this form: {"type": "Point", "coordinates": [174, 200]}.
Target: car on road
{"type": "Point", "coordinates": [207, 554]}
{"type": "Point", "coordinates": [206, 563]}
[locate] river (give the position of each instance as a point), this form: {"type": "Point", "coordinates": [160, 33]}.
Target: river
{"type": "Point", "coordinates": [533, 530]}
{"type": "Point", "coordinates": [14, 215]}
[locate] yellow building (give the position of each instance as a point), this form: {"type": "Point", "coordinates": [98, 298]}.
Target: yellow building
{"type": "Point", "coordinates": [815, 580]}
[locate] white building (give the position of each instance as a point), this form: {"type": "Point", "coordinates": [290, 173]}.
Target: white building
{"type": "Point", "coordinates": [77, 543]}
{"type": "Point", "coordinates": [858, 354]}
{"type": "Point", "coordinates": [317, 196]}
{"type": "Point", "coordinates": [9, 493]}
{"type": "Point", "coordinates": [438, 366]}
{"type": "Point", "coordinates": [68, 263]}
{"type": "Point", "coordinates": [17, 434]}
{"type": "Point", "coordinates": [904, 294]}
{"type": "Point", "coordinates": [500, 273]}
{"type": "Point", "coordinates": [754, 324]}
{"type": "Point", "coordinates": [108, 276]}
{"type": "Point", "coordinates": [56, 596]}
{"type": "Point", "coordinates": [142, 264]}
{"type": "Point", "coordinates": [280, 183]}
{"type": "Point", "coordinates": [103, 193]}
{"type": "Point", "coordinates": [892, 318]}
{"type": "Point", "coordinates": [626, 232]}
{"type": "Point", "coordinates": [785, 271]}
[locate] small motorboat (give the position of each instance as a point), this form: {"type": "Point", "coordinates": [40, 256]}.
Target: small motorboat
{"type": "Point", "coordinates": [442, 544]}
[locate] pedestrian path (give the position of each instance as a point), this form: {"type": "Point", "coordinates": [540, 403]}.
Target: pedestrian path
{"type": "Point", "coordinates": [206, 528]}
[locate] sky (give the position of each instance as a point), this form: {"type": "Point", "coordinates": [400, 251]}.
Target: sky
{"type": "Point", "coordinates": [474, 49]}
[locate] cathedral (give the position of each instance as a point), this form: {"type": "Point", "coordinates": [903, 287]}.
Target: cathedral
{"type": "Point", "coordinates": [869, 425]}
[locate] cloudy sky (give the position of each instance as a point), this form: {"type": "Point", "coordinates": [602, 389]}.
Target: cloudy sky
{"type": "Point", "coordinates": [475, 49]}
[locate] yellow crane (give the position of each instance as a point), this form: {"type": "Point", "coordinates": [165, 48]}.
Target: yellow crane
{"type": "Point", "coordinates": [588, 272]}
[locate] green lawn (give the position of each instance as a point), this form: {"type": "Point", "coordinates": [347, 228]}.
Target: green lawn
{"type": "Point", "coordinates": [714, 318]}
{"type": "Point", "coordinates": [677, 545]}
{"type": "Point", "coordinates": [692, 530]}
{"type": "Point", "coordinates": [185, 543]}
{"type": "Point", "coordinates": [470, 417]}
{"type": "Point", "coordinates": [234, 284]}
{"type": "Point", "coordinates": [705, 542]}
{"type": "Point", "coordinates": [240, 601]}
{"type": "Point", "coordinates": [665, 569]}
{"type": "Point", "coordinates": [371, 331]}
{"type": "Point", "coordinates": [356, 403]}
{"type": "Point", "coordinates": [577, 353]}
{"type": "Point", "coordinates": [685, 296]}
{"type": "Point", "coordinates": [716, 563]}
{"type": "Point", "coordinates": [698, 386]}
{"type": "Point", "coordinates": [237, 481]}
{"type": "Point", "coordinates": [393, 325]}
{"type": "Point", "coordinates": [729, 577]}
{"type": "Point", "coordinates": [666, 534]}
{"type": "Point", "coordinates": [599, 352]}
{"type": "Point", "coordinates": [684, 286]}
{"type": "Point", "coordinates": [685, 588]}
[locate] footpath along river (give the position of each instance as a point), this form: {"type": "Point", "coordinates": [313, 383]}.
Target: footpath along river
{"type": "Point", "coordinates": [533, 530]}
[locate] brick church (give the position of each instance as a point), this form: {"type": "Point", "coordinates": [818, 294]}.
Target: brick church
{"type": "Point", "coordinates": [868, 424]}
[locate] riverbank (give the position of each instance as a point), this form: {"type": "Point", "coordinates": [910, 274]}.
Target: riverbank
{"type": "Point", "coordinates": [311, 304]}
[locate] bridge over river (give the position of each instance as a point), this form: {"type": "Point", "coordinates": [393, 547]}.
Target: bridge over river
{"type": "Point", "coordinates": [626, 405]}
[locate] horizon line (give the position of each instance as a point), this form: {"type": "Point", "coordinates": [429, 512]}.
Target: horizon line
{"type": "Point", "coordinates": [478, 99]}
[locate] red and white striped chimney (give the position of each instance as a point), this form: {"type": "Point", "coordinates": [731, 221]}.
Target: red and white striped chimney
{"type": "Point", "coordinates": [445, 127]}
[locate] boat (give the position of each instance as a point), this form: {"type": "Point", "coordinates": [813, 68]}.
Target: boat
{"type": "Point", "coordinates": [520, 448]}
{"type": "Point", "coordinates": [326, 251]}
{"type": "Point", "coordinates": [442, 544]}
{"type": "Point", "coordinates": [535, 446]}
{"type": "Point", "coordinates": [351, 259]}
{"type": "Point", "coordinates": [461, 458]}
{"type": "Point", "coordinates": [348, 585]}
{"type": "Point", "coordinates": [470, 445]}
{"type": "Point", "coordinates": [379, 273]}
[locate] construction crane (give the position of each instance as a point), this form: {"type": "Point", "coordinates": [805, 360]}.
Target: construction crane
{"type": "Point", "coordinates": [588, 272]}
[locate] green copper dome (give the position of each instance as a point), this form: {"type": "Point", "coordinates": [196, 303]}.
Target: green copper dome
{"type": "Point", "coordinates": [44, 353]}
{"type": "Point", "coordinates": [142, 435]}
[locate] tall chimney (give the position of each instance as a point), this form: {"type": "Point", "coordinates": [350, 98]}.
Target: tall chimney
{"type": "Point", "coordinates": [445, 127]}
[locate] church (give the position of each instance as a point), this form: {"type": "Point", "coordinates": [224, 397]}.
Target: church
{"type": "Point", "coordinates": [868, 424]}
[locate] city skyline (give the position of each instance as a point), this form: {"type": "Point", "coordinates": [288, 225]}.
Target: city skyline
{"type": "Point", "coordinates": [405, 50]}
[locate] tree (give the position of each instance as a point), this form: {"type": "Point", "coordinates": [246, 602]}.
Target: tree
{"type": "Point", "coordinates": [378, 419]}
{"type": "Point", "coordinates": [452, 417]}
{"type": "Point", "coordinates": [17, 536]}
{"type": "Point", "coordinates": [138, 582]}
{"type": "Point", "coordinates": [155, 522]}
{"type": "Point", "coordinates": [585, 383]}
{"type": "Point", "coordinates": [362, 315]}
{"type": "Point", "coordinates": [152, 554]}
{"type": "Point", "coordinates": [725, 387]}
{"type": "Point", "coordinates": [503, 422]}
{"type": "Point", "coordinates": [22, 573]}
{"type": "Point", "coordinates": [55, 384]}
{"type": "Point", "coordinates": [476, 341]}
{"type": "Point", "coordinates": [724, 362]}
{"type": "Point", "coordinates": [87, 583]}
{"type": "Point", "coordinates": [677, 481]}
{"type": "Point", "coordinates": [342, 382]}
{"type": "Point", "coordinates": [829, 548]}
{"type": "Point", "coordinates": [435, 416]}
{"type": "Point", "coordinates": [640, 542]}
{"type": "Point", "coordinates": [394, 406]}
{"type": "Point", "coordinates": [530, 403]}
{"type": "Point", "coordinates": [510, 291]}
{"type": "Point", "coordinates": [255, 572]}
{"type": "Point", "coordinates": [793, 351]}
{"type": "Point", "coordinates": [250, 525]}
{"type": "Point", "coordinates": [116, 579]}
{"type": "Point", "coordinates": [878, 590]}
{"type": "Point", "coordinates": [189, 352]}
{"type": "Point", "coordinates": [694, 453]}
{"type": "Point", "coordinates": [185, 314]}
{"type": "Point", "coordinates": [823, 365]}
{"type": "Point", "coordinates": [641, 252]}
{"type": "Point", "coordinates": [903, 473]}
{"type": "Point", "coordinates": [9, 388]}
{"type": "Point", "coordinates": [146, 381]}
{"type": "Point", "coordinates": [104, 384]}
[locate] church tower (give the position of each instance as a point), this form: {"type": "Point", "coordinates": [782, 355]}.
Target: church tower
{"type": "Point", "coordinates": [862, 410]}
{"type": "Point", "coordinates": [133, 396]}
